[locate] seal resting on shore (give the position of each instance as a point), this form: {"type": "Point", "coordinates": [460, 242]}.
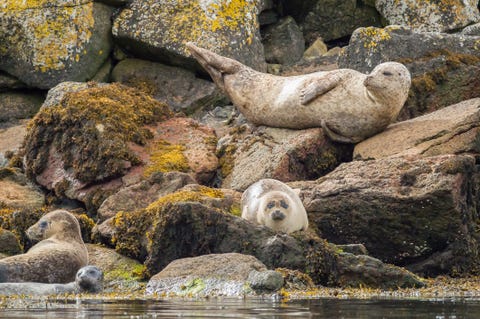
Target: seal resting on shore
{"type": "Point", "coordinates": [350, 106]}
{"type": "Point", "coordinates": [272, 203]}
{"type": "Point", "coordinates": [55, 259]}
{"type": "Point", "coordinates": [89, 279]}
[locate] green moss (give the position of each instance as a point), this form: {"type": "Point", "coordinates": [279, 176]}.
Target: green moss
{"type": "Point", "coordinates": [236, 210]}
{"type": "Point", "coordinates": [92, 129]}
{"type": "Point", "coordinates": [166, 157]}
{"type": "Point", "coordinates": [193, 287]}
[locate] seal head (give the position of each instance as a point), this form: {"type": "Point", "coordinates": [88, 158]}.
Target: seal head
{"type": "Point", "coordinates": [89, 279]}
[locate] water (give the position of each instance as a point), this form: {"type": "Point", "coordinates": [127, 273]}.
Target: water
{"type": "Point", "coordinates": [255, 308]}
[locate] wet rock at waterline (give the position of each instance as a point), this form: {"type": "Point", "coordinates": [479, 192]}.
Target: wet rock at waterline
{"type": "Point", "coordinates": [229, 274]}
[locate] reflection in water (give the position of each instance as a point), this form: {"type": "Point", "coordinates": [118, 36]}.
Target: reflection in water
{"type": "Point", "coordinates": [256, 308]}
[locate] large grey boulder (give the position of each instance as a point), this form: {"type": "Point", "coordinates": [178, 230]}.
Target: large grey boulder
{"type": "Point", "coordinates": [444, 67]}
{"type": "Point", "coordinates": [229, 274]}
{"type": "Point", "coordinates": [158, 30]}
{"type": "Point", "coordinates": [435, 16]}
{"type": "Point", "coordinates": [177, 87]}
{"type": "Point", "coordinates": [418, 213]}
{"type": "Point", "coordinates": [451, 130]}
{"type": "Point", "coordinates": [283, 42]}
{"type": "Point", "coordinates": [44, 43]}
{"type": "Point", "coordinates": [19, 105]}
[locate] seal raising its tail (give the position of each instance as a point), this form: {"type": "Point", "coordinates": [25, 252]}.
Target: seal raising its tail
{"type": "Point", "coordinates": [350, 106]}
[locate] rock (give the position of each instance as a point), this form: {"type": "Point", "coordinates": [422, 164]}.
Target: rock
{"type": "Point", "coordinates": [167, 231]}
{"type": "Point", "coordinates": [17, 192]}
{"type": "Point", "coordinates": [287, 155]}
{"type": "Point", "coordinates": [143, 193]}
{"type": "Point", "coordinates": [8, 82]}
{"type": "Point", "coordinates": [451, 130]}
{"type": "Point", "coordinates": [174, 86]}
{"type": "Point", "coordinates": [473, 30]}
{"type": "Point", "coordinates": [229, 274]}
{"type": "Point", "coordinates": [295, 280]}
{"type": "Point", "coordinates": [265, 281]}
{"type": "Point", "coordinates": [362, 270]}
{"type": "Point", "coordinates": [444, 67]}
{"type": "Point", "coordinates": [11, 139]}
{"type": "Point", "coordinates": [317, 49]}
{"type": "Point", "coordinates": [331, 19]}
{"type": "Point", "coordinates": [157, 30]}
{"type": "Point", "coordinates": [184, 145]}
{"type": "Point", "coordinates": [9, 244]}
{"type": "Point", "coordinates": [283, 42]}
{"type": "Point", "coordinates": [119, 272]}
{"type": "Point", "coordinates": [429, 16]}
{"type": "Point", "coordinates": [48, 42]}
{"type": "Point", "coordinates": [108, 124]}
{"type": "Point", "coordinates": [355, 249]}
{"type": "Point", "coordinates": [16, 105]}
{"type": "Point", "coordinates": [107, 232]}
{"type": "Point", "coordinates": [406, 211]}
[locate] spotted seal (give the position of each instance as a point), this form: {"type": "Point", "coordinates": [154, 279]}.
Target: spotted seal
{"type": "Point", "coordinates": [89, 279]}
{"type": "Point", "coordinates": [274, 204]}
{"type": "Point", "coordinates": [350, 106]}
{"type": "Point", "coordinates": [56, 258]}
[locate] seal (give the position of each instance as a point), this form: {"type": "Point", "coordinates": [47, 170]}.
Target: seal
{"type": "Point", "coordinates": [350, 106]}
{"type": "Point", "coordinates": [56, 258]}
{"type": "Point", "coordinates": [89, 279]}
{"type": "Point", "coordinates": [274, 204]}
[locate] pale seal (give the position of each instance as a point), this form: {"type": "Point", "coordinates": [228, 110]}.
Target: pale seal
{"type": "Point", "coordinates": [55, 259]}
{"type": "Point", "coordinates": [350, 106]}
{"type": "Point", "coordinates": [89, 279]}
{"type": "Point", "coordinates": [274, 204]}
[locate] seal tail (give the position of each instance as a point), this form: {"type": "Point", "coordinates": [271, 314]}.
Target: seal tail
{"type": "Point", "coordinates": [216, 65]}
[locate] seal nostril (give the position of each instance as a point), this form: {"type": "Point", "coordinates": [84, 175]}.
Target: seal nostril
{"type": "Point", "coordinates": [278, 215]}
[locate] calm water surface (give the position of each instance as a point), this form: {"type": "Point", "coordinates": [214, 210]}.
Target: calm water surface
{"type": "Point", "coordinates": [256, 308]}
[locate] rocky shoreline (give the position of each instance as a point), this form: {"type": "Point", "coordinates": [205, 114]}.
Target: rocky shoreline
{"type": "Point", "coordinates": [106, 114]}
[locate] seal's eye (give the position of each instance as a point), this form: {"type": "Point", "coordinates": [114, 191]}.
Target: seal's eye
{"type": "Point", "coordinates": [386, 73]}
{"type": "Point", "coordinates": [270, 205]}
{"type": "Point", "coordinates": [283, 204]}
{"type": "Point", "coordinates": [43, 224]}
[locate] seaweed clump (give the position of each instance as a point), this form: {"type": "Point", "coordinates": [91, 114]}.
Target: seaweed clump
{"type": "Point", "coordinates": [91, 130]}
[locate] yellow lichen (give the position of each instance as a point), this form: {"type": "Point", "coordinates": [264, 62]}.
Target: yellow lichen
{"type": "Point", "coordinates": [165, 157]}
{"type": "Point", "coordinates": [372, 36]}
{"type": "Point", "coordinates": [59, 32]}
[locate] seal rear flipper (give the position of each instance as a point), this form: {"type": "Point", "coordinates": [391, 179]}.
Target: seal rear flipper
{"type": "Point", "coordinates": [216, 65]}
{"type": "Point", "coordinates": [318, 87]}
{"type": "Point", "coordinates": [337, 137]}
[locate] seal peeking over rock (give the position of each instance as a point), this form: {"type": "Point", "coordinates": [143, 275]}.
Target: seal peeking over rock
{"type": "Point", "coordinates": [55, 259]}
{"type": "Point", "coordinates": [274, 204]}
{"type": "Point", "coordinates": [89, 279]}
{"type": "Point", "coordinates": [350, 106]}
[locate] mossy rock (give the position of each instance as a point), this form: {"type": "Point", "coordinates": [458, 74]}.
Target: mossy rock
{"type": "Point", "coordinates": [18, 221]}
{"type": "Point", "coordinates": [133, 230]}
{"type": "Point", "coordinates": [90, 134]}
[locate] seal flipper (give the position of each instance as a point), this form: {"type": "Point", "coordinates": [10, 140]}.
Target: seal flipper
{"type": "Point", "coordinates": [318, 87]}
{"type": "Point", "coordinates": [214, 64]}
{"type": "Point", "coordinates": [337, 137]}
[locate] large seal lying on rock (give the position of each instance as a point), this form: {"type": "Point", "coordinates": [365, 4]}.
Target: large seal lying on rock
{"type": "Point", "coordinates": [55, 259]}
{"type": "Point", "coordinates": [272, 203]}
{"type": "Point", "coordinates": [350, 106]}
{"type": "Point", "coordinates": [89, 279]}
